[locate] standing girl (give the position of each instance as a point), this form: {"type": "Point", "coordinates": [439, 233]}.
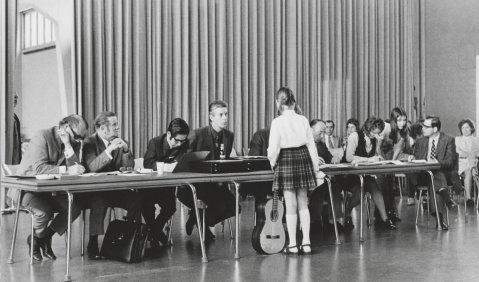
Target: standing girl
{"type": "Point", "coordinates": [294, 159]}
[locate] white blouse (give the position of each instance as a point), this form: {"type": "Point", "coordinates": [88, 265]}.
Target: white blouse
{"type": "Point", "coordinates": [291, 130]}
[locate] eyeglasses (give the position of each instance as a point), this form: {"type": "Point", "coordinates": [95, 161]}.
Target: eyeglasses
{"type": "Point", "coordinates": [426, 126]}
{"type": "Point", "coordinates": [180, 140]}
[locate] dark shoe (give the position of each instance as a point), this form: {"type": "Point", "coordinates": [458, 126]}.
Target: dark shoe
{"type": "Point", "coordinates": [470, 203]}
{"type": "Point", "coordinates": [348, 224]}
{"type": "Point", "coordinates": [190, 223]}
{"type": "Point", "coordinates": [37, 255]}
{"type": "Point", "coordinates": [209, 236]}
{"type": "Point", "coordinates": [444, 226]}
{"type": "Point", "coordinates": [451, 204]}
{"type": "Point", "coordinates": [162, 238]}
{"type": "Point", "coordinates": [46, 246]}
{"type": "Point", "coordinates": [393, 217]}
{"type": "Point", "coordinates": [386, 225]}
{"type": "Point", "coordinates": [92, 250]}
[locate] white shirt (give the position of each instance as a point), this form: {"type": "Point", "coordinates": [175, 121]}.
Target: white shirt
{"type": "Point", "coordinates": [291, 130]}
{"type": "Point", "coordinates": [436, 141]}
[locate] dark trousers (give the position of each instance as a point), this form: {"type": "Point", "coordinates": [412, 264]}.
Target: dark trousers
{"type": "Point", "coordinates": [219, 200]}
{"type": "Point", "coordinates": [440, 181]}
{"type": "Point", "coordinates": [387, 184]}
{"type": "Point", "coordinates": [99, 202]}
{"type": "Point", "coordinates": [44, 205]}
{"type": "Point", "coordinates": [321, 194]}
{"type": "Point", "coordinates": [165, 198]}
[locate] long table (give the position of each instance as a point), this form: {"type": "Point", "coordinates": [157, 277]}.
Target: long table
{"type": "Point", "coordinates": [365, 169]}
{"type": "Point", "coordinates": [81, 184]}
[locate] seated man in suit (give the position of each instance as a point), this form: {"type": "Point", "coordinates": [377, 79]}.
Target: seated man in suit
{"type": "Point", "coordinates": [51, 151]}
{"type": "Point", "coordinates": [166, 148]}
{"type": "Point", "coordinates": [104, 151]}
{"type": "Point", "coordinates": [219, 200]}
{"type": "Point", "coordinates": [331, 140]}
{"type": "Point", "coordinates": [258, 146]}
{"type": "Point", "coordinates": [322, 193]}
{"type": "Point", "coordinates": [438, 147]}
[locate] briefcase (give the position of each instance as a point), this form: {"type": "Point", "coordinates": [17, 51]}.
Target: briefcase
{"type": "Point", "coordinates": [218, 166]}
{"type": "Point", "coordinates": [257, 164]}
{"type": "Point", "coordinates": [125, 241]}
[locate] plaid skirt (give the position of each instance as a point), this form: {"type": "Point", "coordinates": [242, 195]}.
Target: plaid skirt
{"type": "Point", "coordinates": [294, 170]}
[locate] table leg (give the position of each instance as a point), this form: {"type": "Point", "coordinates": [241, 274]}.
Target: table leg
{"type": "Point", "coordinates": [14, 237]}
{"type": "Point", "coordinates": [361, 181]}
{"type": "Point", "coordinates": [200, 232]}
{"type": "Point", "coordinates": [433, 192]}
{"type": "Point", "coordinates": [69, 234]}
{"type": "Point", "coordinates": [338, 242]}
{"type": "Point", "coordinates": [237, 255]}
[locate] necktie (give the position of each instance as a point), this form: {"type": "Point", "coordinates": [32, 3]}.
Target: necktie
{"type": "Point", "coordinates": [330, 142]}
{"type": "Point", "coordinates": [433, 150]}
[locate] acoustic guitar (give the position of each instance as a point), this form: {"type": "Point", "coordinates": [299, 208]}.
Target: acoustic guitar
{"type": "Point", "coordinates": [269, 236]}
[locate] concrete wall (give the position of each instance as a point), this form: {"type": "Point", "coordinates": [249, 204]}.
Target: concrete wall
{"type": "Point", "coordinates": [39, 103]}
{"type": "Point", "coordinates": [452, 44]}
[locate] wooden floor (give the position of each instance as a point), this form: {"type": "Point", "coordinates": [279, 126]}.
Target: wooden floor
{"type": "Point", "coordinates": [409, 254]}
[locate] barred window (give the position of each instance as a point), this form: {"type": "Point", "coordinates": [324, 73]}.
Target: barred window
{"type": "Point", "coordinates": [38, 31]}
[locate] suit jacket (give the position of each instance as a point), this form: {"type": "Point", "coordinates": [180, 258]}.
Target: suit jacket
{"type": "Point", "coordinates": [335, 141]}
{"type": "Point", "coordinates": [95, 158]}
{"type": "Point", "coordinates": [45, 155]}
{"type": "Point", "coordinates": [323, 152]}
{"type": "Point", "coordinates": [445, 154]}
{"type": "Point", "coordinates": [201, 139]}
{"type": "Point", "coordinates": [259, 143]}
{"type": "Point", "coordinates": [159, 151]}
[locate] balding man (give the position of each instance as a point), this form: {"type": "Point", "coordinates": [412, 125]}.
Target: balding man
{"type": "Point", "coordinates": [321, 194]}
{"type": "Point", "coordinates": [51, 151]}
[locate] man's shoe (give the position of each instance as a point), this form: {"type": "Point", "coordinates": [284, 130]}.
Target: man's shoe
{"type": "Point", "coordinates": [162, 238]}
{"type": "Point", "coordinates": [37, 254]}
{"type": "Point", "coordinates": [393, 217]}
{"type": "Point", "coordinates": [451, 204]}
{"type": "Point", "coordinates": [46, 246]}
{"type": "Point", "coordinates": [92, 250]}
{"type": "Point", "coordinates": [444, 226]}
{"type": "Point", "coordinates": [348, 224]}
{"type": "Point", "coordinates": [386, 225]}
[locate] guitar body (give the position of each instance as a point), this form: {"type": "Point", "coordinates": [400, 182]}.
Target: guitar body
{"type": "Point", "coordinates": [269, 236]}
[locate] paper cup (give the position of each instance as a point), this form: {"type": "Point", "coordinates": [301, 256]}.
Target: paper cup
{"type": "Point", "coordinates": [160, 168]}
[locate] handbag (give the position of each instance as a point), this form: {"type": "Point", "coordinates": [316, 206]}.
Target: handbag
{"type": "Point", "coordinates": [125, 241]}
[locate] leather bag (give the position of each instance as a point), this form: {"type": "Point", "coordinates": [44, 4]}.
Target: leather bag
{"type": "Point", "coordinates": [125, 241]}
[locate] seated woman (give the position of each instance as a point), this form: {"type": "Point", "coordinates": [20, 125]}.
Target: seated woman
{"type": "Point", "coordinates": [362, 148]}
{"type": "Point", "coordinates": [467, 146]}
{"type": "Point", "coordinates": [352, 125]}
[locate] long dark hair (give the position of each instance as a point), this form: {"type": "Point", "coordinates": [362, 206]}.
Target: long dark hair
{"type": "Point", "coordinates": [397, 133]}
